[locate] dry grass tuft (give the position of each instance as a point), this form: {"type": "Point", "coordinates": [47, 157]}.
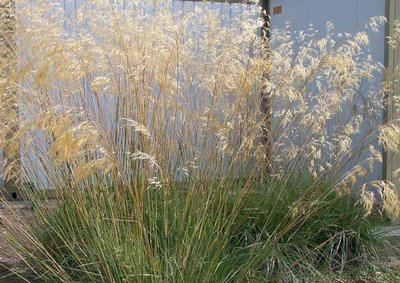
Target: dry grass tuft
{"type": "Point", "coordinates": [155, 129]}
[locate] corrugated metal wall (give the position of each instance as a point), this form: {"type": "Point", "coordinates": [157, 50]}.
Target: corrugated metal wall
{"type": "Point", "coordinates": [346, 14]}
{"type": "Point", "coordinates": [226, 10]}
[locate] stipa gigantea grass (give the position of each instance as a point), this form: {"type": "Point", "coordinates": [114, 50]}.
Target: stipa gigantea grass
{"type": "Point", "coordinates": [272, 233]}
{"type": "Point", "coordinates": [148, 127]}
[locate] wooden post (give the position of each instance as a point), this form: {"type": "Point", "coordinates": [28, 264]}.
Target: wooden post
{"type": "Point", "coordinates": [265, 95]}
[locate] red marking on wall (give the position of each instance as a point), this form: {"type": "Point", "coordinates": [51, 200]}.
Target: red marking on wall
{"type": "Point", "coordinates": [277, 10]}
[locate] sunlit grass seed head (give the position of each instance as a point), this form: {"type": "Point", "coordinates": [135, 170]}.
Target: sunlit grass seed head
{"type": "Point", "coordinates": [122, 103]}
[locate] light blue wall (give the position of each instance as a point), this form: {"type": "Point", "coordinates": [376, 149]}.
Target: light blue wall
{"type": "Point", "coordinates": [226, 11]}
{"type": "Point", "coordinates": [347, 16]}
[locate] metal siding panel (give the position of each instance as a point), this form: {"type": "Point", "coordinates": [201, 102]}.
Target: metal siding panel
{"type": "Point", "coordinates": [225, 13]}
{"type": "Point", "coordinates": [393, 59]}
{"type": "Point", "coordinates": [366, 9]}
{"type": "Point", "coordinates": [236, 10]}
{"type": "Point", "coordinates": [342, 13]}
{"type": "Point", "coordinates": [217, 7]}
{"type": "Point", "coordinates": [70, 7]}
{"type": "Point", "coordinates": [205, 5]}
{"type": "Point", "coordinates": [346, 15]}
{"type": "Point", "coordinates": [177, 7]}
{"type": "Point", "coordinates": [189, 7]}
{"type": "Point", "coordinates": [293, 11]}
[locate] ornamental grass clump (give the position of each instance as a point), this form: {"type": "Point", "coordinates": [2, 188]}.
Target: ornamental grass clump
{"type": "Point", "coordinates": [180, 147]}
